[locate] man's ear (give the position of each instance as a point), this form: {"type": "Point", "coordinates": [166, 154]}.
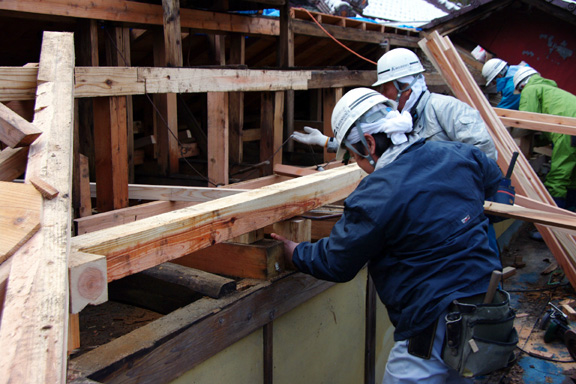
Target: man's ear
{"type": "Point", "coordinates": [371, 143]}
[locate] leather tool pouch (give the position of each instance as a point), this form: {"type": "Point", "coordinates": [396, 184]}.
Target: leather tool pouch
{"type": "Point", "coordinates": [480, 338]}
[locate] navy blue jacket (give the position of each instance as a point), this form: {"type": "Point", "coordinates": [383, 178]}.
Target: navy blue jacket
{"type": "Point", "coordinates": [419, 224]}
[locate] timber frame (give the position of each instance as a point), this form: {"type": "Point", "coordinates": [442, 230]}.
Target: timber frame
{"type": "Point", "coordinates": [178, 224]}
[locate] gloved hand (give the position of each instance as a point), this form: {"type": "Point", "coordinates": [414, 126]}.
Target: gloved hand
{"type": "Point", "coordinates": [312, 137]}
{"type": "Point", "coordinates": [505, 195]}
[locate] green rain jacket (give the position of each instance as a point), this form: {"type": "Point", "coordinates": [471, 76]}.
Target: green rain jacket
{"type": "Point", "coordinates": [543, 96]}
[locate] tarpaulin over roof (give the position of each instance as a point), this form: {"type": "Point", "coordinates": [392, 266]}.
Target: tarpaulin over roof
{"type": "Point", "coordinates": [411, 12]}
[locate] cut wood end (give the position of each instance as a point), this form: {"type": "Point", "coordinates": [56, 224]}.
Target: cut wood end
{"type": "Point", "coordinates": [45, 189]}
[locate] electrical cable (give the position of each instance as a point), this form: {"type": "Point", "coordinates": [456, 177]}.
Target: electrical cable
{"type": "Point", "coordinates": [333, 38]}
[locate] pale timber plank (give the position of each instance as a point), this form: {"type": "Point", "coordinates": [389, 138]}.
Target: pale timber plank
{"type": "Point", "coordinates": [18, 83]}
{"type": "Point", "coordinates": [20, 205]}
{"type": "Point", "coordinates": [145, 243]}
{"type": "Point", "coordinates": [34, 347]}
{"type": "Point", "coordinates": [537, 121]}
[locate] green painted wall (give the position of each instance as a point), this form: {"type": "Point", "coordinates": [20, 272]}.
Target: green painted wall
{"type": "Point", "coordinates": [321, 341]}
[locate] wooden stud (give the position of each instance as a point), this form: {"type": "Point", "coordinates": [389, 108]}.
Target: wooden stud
{"type": "Point", "coordinates": [218, 138]}
{"type": "Point", "coordinates": [15, 131]}
{"type": "Point", "coordinates": [13, 163]}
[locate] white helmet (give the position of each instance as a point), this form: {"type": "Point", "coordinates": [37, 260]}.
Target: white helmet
{"type": "Point", "coordinates": [397, 63]}
{"type": "Point", "coordinates": [522, 74]}
{"type": "Point", "coordinates": [349, 109]}
{"type": "Point", "coordinates": [492, 68]}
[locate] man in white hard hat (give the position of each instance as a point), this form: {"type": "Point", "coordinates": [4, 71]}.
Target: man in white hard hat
{"type": "Point", "coordinates": [435, 117]}
{"type": "Point", "coordinates": [498, 72]}
{"type": "Point", "coordinates": [541, 95]}
{"type": "Point", "coordinates": [421, 233]}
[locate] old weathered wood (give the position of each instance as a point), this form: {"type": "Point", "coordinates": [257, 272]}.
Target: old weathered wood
{"type": "Point", "coordinates": [12, 163]}
{"type": "Point", "coordinates": [15, 131]}
{"type": "Point", "coordinates": [34, 347]}
{"type": "Point", "coordinates": [262, 259]}
{"type": "Point", "coordinates": [145, 243]}
{"type": "Point", "coordinates": [201, 329]}
{"type": "Point", "coordinates": [45, 189]}
{"type": "Point", "coordinates": [195, 279]}
{"type": "Point", "coordinates": [218, 138]}
{"type": "Point", "coordinates": [18, 83]}
{"type": "Point", "coordinates": [330, 97]}
{"type": "Point", "coordinates": [174, 193]}
{"type": "Point", "coordinates": [21, 207]}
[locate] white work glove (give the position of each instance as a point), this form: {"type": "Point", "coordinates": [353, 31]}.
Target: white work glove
{"type": "Point", "coordinates": [312, 137]}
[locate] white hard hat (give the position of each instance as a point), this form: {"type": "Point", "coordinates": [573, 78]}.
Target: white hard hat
{"type": "Point", "coordinates": [397, 63]}
{"type": "Point", "coordinates": [492, 68]}
{"type": "Point", "coordinates": [349, 109]}
{"type": "Point", "coordinates": [522, 74]}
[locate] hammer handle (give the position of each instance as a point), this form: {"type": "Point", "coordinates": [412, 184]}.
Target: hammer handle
{"type": "Point", "coordinates": [493, 286]}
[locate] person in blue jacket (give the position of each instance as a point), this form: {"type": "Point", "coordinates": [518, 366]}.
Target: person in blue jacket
{"type": "Point", "coordinates": [499, 71]}
{"type": "Point", "coordinates": [417, 221]}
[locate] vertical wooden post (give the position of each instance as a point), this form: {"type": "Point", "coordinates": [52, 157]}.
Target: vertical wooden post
{"type": "Point", "coordinates": [218, 137]}
{"type": "Point", "coordinates": [278, 128]}
{"type": "Point", "coordinates": [237, 56]}
{"type": "Point", "coordinates": [34, 346]}
{"type": "Point", "coordinates": [297, 230]}
{"type": "Point", "coordinates": [168, 52]}
{"type": "Point", "coordinates": [267, 130]}
{"type": "Point", "coordinates": [331, 97]}
{"type": "Point", "coordinates": [111, 153]}
{"type": "Point", "coordinates": [286, 60]}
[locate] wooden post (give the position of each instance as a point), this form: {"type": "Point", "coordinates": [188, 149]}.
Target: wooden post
{"type": "Point", "coordinates": [331, 97]}
{"type": "Point", "coordinates": [286, 60]}
{"type": "Point", "coordinates": [166, 120]}
{"type": "Point", "coordinates": [271, 124]}
{"type": "Point", "coordinates": [34, 346]}
{"type": "Point", "coordinates": [237, 56]}
{"type": "Point", "coordinates": [218, 137]}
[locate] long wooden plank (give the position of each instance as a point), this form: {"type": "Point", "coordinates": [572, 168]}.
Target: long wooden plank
{"type": "Point", "coordinates": [537, 121]}
{"type": "Point", "coordinates": [145, 243]}
{"type": "Point", "coordinates": [34, 346]}
{"type": "Point", "coordinates": [174, 193]}
{"type": "Point", "coordinates": [16, 84]}
{"type": "Point", "coordinates": [531, 215]}
{"type": "Point", "coordinates": [15, 131]}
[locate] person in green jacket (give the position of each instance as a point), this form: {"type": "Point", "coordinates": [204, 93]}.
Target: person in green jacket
{"type": "Point", "coordinates": [541, 95]}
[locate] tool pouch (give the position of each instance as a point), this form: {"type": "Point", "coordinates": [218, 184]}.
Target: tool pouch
{"type": "Point", "coordinates": [480, 338]}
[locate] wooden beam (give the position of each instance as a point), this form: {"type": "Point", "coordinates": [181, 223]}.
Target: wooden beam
{"type": "Point", "coordinates": [88, 282]}
{"type": "Point", "coordinates": [34, 347]}
{"type": "Point", "coordinates": [203, 329]}
{"type": "Point", "coordinates": [171, 193]}
{"type": "Point", "coordinates": [13, 163]}
{"type": "Point", "coordinates": [537, 121]}
{"type": "Point", "coordinates": [262, 259]}
{"type": "Point", "coordinates": [126, 215]}
{"type": "Point", "coordinates": [143, 244]}
{"type": "Point", "coordinates": [15, 131]}
{"type": "Point", "coordinates": [197, 280]}
{"type": "Point", "coordinates": [122, 81]}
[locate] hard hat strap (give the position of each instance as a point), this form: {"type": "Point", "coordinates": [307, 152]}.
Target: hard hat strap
{"type": "Point", "coordinates": [401, 91]}
{"type": "Point", "coordinates": [350, 147]}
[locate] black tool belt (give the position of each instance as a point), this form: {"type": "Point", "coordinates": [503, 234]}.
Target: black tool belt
{"type": "Point", "coordinates": [480, 338]}
{"type": "Point", "coordinates": [421, 345]}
